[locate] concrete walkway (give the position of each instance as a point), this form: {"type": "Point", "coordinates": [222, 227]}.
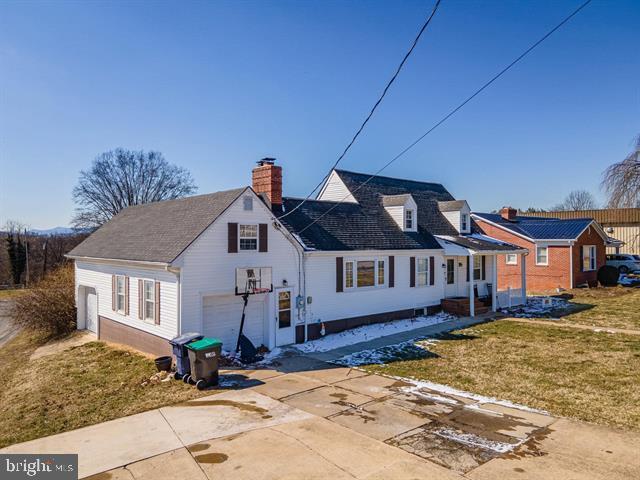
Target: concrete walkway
{"type": "Point", "coordinates": [8, 328]}
{"type": "Point", "coordinates": [416, 334]}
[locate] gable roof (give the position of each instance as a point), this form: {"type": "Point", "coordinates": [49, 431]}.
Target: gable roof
{"type": "Point", "coordinates": [451, 205]}
{"type": "Point", "coordinates": [158, 231]}
{"type": "Point", "coordinates": [366, 225]}
{"type": "Point", "coordinates": [395, 200]}
{"type": "Point", "coordinates": [537, 228]}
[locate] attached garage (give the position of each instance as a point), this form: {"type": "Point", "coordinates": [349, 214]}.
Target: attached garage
{"type": "Point", "coordinates": [221, 317]}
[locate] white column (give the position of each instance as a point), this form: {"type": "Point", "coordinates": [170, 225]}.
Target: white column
{"type": "Point", "coordinates": [523, 273]}
{"type": "Point", "coordinates": [494, 280]}
{"type": "Point", "coordinates": [472, 298]}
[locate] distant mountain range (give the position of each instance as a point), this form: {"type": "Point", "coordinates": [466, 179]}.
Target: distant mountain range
{"type": "Point", "coordinates": [54, 231]}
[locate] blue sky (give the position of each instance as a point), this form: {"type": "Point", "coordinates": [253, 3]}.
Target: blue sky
{"type": "Point", "coordinates": [217, 85]}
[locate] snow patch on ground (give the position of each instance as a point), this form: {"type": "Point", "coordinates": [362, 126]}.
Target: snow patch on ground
{"type": "Point", "coordinates": [537, 307]}
{"type": "Point", "coordinates": [424, 388]}
{"type": "Point", "coordinates": [411, 349]}
{"type": "Point", "coordinates": [475, 440]}
{"type": "Point", "coordinates": [370, 332]}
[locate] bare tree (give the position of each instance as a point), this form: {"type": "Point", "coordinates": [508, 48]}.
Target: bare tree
{"type": "Point", "coordinates": [121, 178]}
{"type": "Point", "coordinates": [621, 181]}
{"type": "Point", "coordinates": [577, 200]}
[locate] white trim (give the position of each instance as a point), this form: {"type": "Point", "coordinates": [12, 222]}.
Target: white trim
{"type": "Point", "coordinates": [540, 264]}
{"type": "Point", "coordinates": [152, 320]}
{"type": "Point", "coordinates": [593, 260]}
{"type": "Point", "coordinates": [355, 260]}
{"type": "Point", "coordinates": [124, 294]}
{"type": "Point", "coordinates": [506, 260]}
{"type": "Point", "coordinates": [571, 265]}
{"type": "Point", "coordinates": [116, 261]}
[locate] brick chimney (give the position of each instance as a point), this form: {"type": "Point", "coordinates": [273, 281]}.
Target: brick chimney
{"type": "Point", "coordinates": [267, 180]}
{"type": "Point", "coordinates": [508, 213]}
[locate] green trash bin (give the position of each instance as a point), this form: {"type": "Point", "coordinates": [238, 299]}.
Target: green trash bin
{"type": "Point", "coordinates": [204, 356]}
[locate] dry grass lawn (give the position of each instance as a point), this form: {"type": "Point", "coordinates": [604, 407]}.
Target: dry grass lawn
{"type": "Point", "coordinates": [81, 386]}
{"type": "Point", "coordinates": [617, 307]}
{"type": "Point", "coordinates": [12, 293]}
{"type": "Point", "coordinates": [569, 372]}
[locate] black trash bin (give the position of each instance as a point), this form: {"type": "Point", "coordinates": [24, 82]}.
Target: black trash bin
{"type": "Point", "coordinates": [203, 356]}
{"type": "Point", "coordinates": [179, 344]}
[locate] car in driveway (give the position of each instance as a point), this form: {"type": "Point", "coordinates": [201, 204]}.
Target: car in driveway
{"type": "Point", "coordinates": [624, 262]}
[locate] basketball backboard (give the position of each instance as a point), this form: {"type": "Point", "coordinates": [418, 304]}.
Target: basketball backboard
{"type": "Point", "coordinates": [253, 280]}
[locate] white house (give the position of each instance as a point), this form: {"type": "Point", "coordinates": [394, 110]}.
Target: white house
{"type": "Point", "coordinates": [364, 251]}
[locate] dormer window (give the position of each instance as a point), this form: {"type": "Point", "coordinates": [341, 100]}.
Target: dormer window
{"type": "Point", "coordinates": [408, 219]}
{"type": "Point", "coordinates": [464, 222]}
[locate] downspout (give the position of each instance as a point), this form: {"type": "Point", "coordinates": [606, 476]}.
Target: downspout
{"type": "Point", "coordinates": [177, 272]}
{"type": "Point", "coordinates": [302, 277]}
{"type": "Point", "coordinates": [571, 265]}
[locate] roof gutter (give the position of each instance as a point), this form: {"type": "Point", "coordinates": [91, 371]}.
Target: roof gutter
{"type": "Point", "coordinates": [119, 260]}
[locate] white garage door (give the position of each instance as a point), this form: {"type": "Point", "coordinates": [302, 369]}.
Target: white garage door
{"type": "Point", "coordinates": [221, 317]}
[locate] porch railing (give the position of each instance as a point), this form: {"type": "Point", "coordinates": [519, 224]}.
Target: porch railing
{"type": "Point", "coordinates": [509, 297]}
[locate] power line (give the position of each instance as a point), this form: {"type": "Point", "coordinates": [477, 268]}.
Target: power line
{"type": "Point", "coordinates": [455, 110]}
{"type": "Point", "coordinates": [373, 109]}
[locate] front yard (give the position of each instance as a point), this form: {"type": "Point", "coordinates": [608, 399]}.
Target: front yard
{"type": "Point", "coordinates": [617, 307]}
{"type": "Point", "coordinates": [80, 386]}
{"type": "Point", "coordinates": [591, 376]}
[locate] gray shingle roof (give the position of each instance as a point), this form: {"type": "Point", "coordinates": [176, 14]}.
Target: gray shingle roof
{"type": "Point", "coordinates": [367, 225]}
{"type": "Point", "coordinates": [395, 200]}
{"type": "Point", "coordinates": [451, 206]}
{"type": "Point", "coordinates": [156, 232]}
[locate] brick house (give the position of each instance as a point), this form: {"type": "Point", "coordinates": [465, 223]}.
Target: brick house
{"type": "Point", "coordinates": [563, 253]}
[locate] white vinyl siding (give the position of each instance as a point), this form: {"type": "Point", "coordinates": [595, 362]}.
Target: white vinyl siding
{"type": "Point", "coordinates": [99, 275]}
{"type": "Point", "coordinates": [208, 270]}
{"type": "Point", "coordinates": [336, 191]}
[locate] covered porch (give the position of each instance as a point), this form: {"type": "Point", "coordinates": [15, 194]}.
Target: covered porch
{"type": "Point", "coordinates": [470, 271]}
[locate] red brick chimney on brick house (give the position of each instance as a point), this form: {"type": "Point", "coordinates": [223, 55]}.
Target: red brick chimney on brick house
{"type": "Point", "coordinates": [267, 180]}
{"type": "Point", "coordinates": [508, 213]}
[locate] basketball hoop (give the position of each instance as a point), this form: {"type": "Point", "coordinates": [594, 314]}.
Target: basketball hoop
{"type": "Point", "coordinates": [253, 280]}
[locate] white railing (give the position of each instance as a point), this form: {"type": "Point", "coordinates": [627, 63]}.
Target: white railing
{"type": "Point", "coordinates": [509, 297]}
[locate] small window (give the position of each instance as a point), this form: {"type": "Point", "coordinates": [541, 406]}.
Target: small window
{"type": "Point", "coordinates": [588, 258]}
{"type": "Point", "coordinates": [349, 275]}
{"type": "Point", "coordinates": [149, 300]}
{"type": "Point", "coordinates": [120, 294]}
{"type": "Point", "coordinates": [248, 237]}
{"type": "Point", "coordinates": [512, 259]}
{"type": "Point", "coordinates": [247, 203]}
{"type": "Point", "coordinates": [380, 272]}
{"type": "Point", "coordinates": [422, 271]}
{"type": "Point", "coordinates": [464, 222]}
{"type": "Point", "coordinates": [477, 267]}
{"type": "Point", "coordinates": [408, 219]}
{"type": "Point", "coordinates": [542, 255]}
{"type": "Point", "coordinates": [364, 273]}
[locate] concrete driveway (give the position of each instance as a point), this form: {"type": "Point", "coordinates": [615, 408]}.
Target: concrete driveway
{"type": "Point", "coordinates": [307, 419]}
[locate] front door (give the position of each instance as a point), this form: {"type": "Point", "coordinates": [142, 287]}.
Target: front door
{"type": "Point", "coordinates": [284, 318]}
{"type": "Point", "coordinates": [450, 287]}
